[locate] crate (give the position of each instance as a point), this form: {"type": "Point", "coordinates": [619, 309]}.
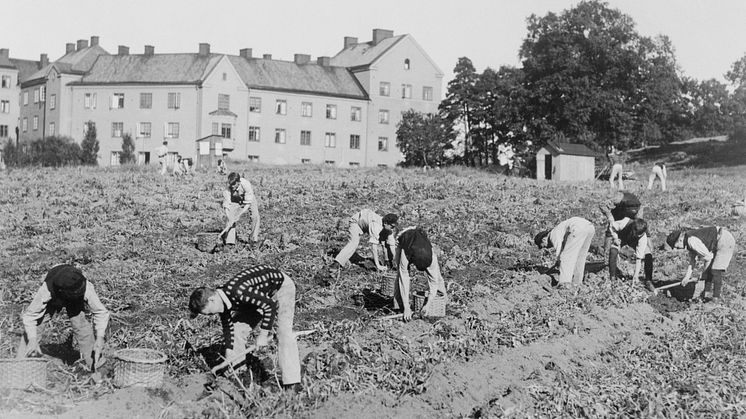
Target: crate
{"type": "Point", "coordinates": [206, 242]}
{"type": "Point", "coordinates": [139, 367]}
{"type": "Point", "coordinates": [388, 283]}
{"type": "Point", "coordinates": [420, 298]}
{"type": "Point", "coordinates": [23, 372]}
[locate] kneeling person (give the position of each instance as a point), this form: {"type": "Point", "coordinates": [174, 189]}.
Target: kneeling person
{"type": "Point", "coordinates": [414, 248]}
{"type": "Point", "coordinates": [571, 240]}
{"type": "Point", "coordinates": [66, 287]}
{"type": "Point", "coordinates": [263, 290]}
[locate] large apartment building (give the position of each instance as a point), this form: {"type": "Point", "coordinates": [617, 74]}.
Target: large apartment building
{"type": "Point", "coordinates": [340, 110]}
{"type": "Point", "coordinates": [13, 72]}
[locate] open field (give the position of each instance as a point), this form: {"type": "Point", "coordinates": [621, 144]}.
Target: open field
{"type": "Point", "coordinates": [509, 346]}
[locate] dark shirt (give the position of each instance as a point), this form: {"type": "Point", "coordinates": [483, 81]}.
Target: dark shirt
{"type": "Point", "coordinates": [708, 236]}
{"type": "Point", "coordinates": [417, 247]}
{"type": "Point", "coordinates": [627, 207]}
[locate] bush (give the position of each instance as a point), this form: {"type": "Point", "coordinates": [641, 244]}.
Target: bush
{"type": "Point", "coordinates": [127, 156]}
{"type": "Point", "coordinates": [89, 146]}
{"type": "Point", "coordinates": [50, 151]}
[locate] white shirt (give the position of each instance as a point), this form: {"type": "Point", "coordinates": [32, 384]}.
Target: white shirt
{"type": "Point", "coordinates": [372, 223]}
{"type": "Point", "coordinates": [642, 242]}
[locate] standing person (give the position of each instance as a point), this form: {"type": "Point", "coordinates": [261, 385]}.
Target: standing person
{"type": "Point", "coordinates": [621, 204]}
{"type": "Point", "coordinates": [615, 162]}
{"type": "Point", "coordinates": [659, 171]}
{"type": "Point", "coordinates": [66, 287]}
{"type": "Point", "coordinates": [715, 246]}
{"type": "Point", "coordinates": [237, 199]}
{"type": "Point", "coordinates": [260, 289]}
{"type": "Point", "coordinates": [162, 154]}
{"type": "Point", "coordinates": [414, 248]}
{"type": "Point", "coordinates": [632, 233]}
{"type": "Point", "coordinates": [379, 229]}
{"type": "Point", "coordinates": [571, 240]}
{"type": "Point", "coordinates": [221, 169]}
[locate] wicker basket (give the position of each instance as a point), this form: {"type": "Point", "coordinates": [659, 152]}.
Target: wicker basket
{"type": "Point", "coordinates": [420, 298]}
{"type": "Point", "coordinates": [206, 241]}
{"type": "Point", "coordinates": [23, 372]}
{"type": "Point", "coordinates": [388, 283]}
{"type": "Point", "coordinates": [139, 367]}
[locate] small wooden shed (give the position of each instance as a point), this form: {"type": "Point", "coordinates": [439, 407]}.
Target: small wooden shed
{"type": "Point", "coordinates": [209, 151]}
{"type": "Point", "coordinates": [565, 161]}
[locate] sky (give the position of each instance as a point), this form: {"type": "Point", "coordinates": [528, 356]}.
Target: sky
{"type": "Point", "coordinates": [708, 35]}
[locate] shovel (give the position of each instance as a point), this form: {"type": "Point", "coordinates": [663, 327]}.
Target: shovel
{"type": "Point", "coordinates": [237, 358]}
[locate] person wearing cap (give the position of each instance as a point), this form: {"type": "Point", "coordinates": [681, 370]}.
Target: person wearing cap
{"type": "Point", "coordinates": [659, 171]}
{"type": "Point", "coordinates": [714, 245]}
{"type": "Point", "coordinates": [239, 198]}
{"type": "Point", "coordinates": [66, 287]}
{"type": "Point", "coordinates": [261, 290]}
{"type": "Point", "coordinates": [379, 230]}
{"type": "Point", "coordinates": [621, 204]}
{"type": "Point", "coordinates": [414, 248]}
{"type": "Point", "coordinates": [571, 240]}
{"type": "Point", "coordinates": [162, 152]}
{"type": "Point", "coordinates": [632, 233]}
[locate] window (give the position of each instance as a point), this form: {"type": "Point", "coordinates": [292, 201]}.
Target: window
{"type": "Point", "coordinates": [383, 165]}
{"type": "Point", "coordinates": [253, 158]}
{"type": "Point", "coordinates": [114, 159]}
{"type": "Point", "coordinates": [306, 109]}
{"type": "Point", "coordinates": [25, 98]}
{"type": "Point", "coordinates": [406, 63]}
{"type": "Point", "coordinates": [355, 142]}
{"type": "Point", "coordinates": [52, 128]}
{"type": "Point", "coordinates": [305, 161]}
{"type": "Point", "coordinates": [143, 157]}
{"type": "Point", "coordinates": [3, 131]}
{"type": "Point", "coordinates": [305, 138]}
{"type": "Point", "coordinates": [356, 114]}
{"type": "Point", "coordinates": [255, 104]}
{"type": "Point", "coordinates": [354, 164]}
{"type": "Point", "coordinates": [89, 101]}
{"type": "Point", "coordinates": [383, 143]}
{"type": "Point", "coordinates": [383, 116]}
{"type": "Point", "coordinates": [36, 95]}
{"type": "Point", "coordinates": [329, 162]}
{"type": "Point", "coordinates": [215, 128]}
{"type": "Point", "coordinates": [280, 136]}
{"type": "Point", "coordinates": [24, 124]}
{"type": "Point", "coordinates": [330, 140]}
{"type": "Point", "coordinates": [427, 93]}
{"type": "Point", "coordinates": [225, 130]}
{"type": "Point", "coordinates": [43, 94]}
{"type": "Point", "coordinates": [224, 102]}
{"type": "Point", "coordinates": [331, 111]}
{"type": "Point", "coordinates": [225, 76]}
{"type": "Point", "coordinates": [172, 130]}
{"type": "Point", "coordinates": [281, 107]}
{"type": "Point", "coordinates": [116, 129]}
{"type": "Point", "coordinates": [117, 101]}
{"type": "Point", "coordinates": [406, 91]}
{"type": "Point", "coordinates": [384, 89]}
{"type": "Point", "coordinates": [146, 100]}
{"type": "Point", "coordinates": [36, 123]}
{"type": "Point", "coordinates": [52, 101]}
{"type": "Point", "coordinates": [4, 106]}
{"type": "Point", "coordinates": [254, 134]}
{"type": "Point", "coordinates": [174, 100]}
{"type": "Point", "coordinates": [144, 130]}
{"type": "Point", "coordinates": [6, 85]}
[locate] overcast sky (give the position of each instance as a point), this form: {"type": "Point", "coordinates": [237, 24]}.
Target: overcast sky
{"type": "Point", "coordinates": [708, 35]}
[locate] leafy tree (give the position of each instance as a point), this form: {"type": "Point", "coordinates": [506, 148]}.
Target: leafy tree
{"type": "Point", "coordinates": [423, 138]}
{"type": "Point", "coordinates": [458, 106]}
{"type": "Point", "coordinates": [128, 150]}
{"type": "Point", "coordinates": [90, 145]}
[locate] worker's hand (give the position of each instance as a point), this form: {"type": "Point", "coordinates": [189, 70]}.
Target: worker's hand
{"type": "Point", "coordinates": [229, 354]}
{"type": "Point", "coordinates": [382, 268]}
{"type": "Point", "coordinates": [684, 282]}
{"type": "Point", "coordinates": [262, 339]}
{"type": "Point", "coordinates": [98, 349]}
{"type": "Point", "coordinates": [32, 348]}
{"type": "Point", "coordinates": [407, 314]}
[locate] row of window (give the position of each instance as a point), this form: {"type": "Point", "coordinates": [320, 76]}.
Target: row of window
{"type": "Point", "coordinates": [40, 95]}
{"type": "Point", "coordinates": [116, 101]}
{"type": "Point", "coordinates": [306, 109]}
{"type": "Point", "coordinates": [143, 129]}
{"type": "Point", "coordinates": [384, 89]}
{"type": "Point", "coordinates": [330, 138]}
{"type": "Point", "coordinates": [255, 158]}
{"type": "Point", "coordinates": [34, 126]}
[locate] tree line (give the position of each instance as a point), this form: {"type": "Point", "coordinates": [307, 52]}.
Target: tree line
{"type": "Point", "coordinates": [586, 76]}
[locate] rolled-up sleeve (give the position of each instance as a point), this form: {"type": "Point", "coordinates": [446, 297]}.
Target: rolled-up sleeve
{"type": "Point", "coordinates": [34, 313]}
{"type": "Point", "coordinates": [699, 248]}
{"type": "Point", "coordinates": [642, 247]}
{"type": "Point", "coordinates": [97, 309]}
{"type": "Point", "coordinates": [248, 196]}
{"type": "Point", "coordinates": [227, 199]}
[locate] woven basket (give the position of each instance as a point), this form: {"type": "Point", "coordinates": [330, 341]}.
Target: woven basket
{"type": "Point", "coordinates": [420, 298]}
{"type": "Point", "coordinates": [23, 372]}
{"type": "Point", "coordinates": [388, 283]}
{"type": "Point", "coordinates": [206, 241]}
{"type": "Point", "coordinates": [139, 367]}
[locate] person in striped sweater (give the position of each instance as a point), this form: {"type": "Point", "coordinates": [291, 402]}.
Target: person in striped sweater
{"type": "Point", "coordinates": [259, 290]}
{"type": "Point", "coordinates": [714, 245]}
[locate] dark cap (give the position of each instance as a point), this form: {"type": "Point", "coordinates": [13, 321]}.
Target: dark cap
{"type": "Point", "coordinates": [539, 237]}
{"type": "Point", "coordinates": [672, 238]}
{"type": "Point", "coordinates": [66, 281]}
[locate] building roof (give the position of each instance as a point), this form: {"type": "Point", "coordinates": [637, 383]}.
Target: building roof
{"type": "Point", "coordinates": [25, 68]}
{"type": "Point", "coordinates": [364, 53]}
{"type": "Point", "coordinates": [288, 76]}
{"type": "Point", "coordinates": [570, 149]}
{"type": "Point", "coordinates": [190, 68]}
{"type": "Point", "coordinates": [74, 62]}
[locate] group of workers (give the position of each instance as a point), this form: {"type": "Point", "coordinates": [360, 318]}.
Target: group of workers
{"type": "Point", "coordinates": [270, 293]}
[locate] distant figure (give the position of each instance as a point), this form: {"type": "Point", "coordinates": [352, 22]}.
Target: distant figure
{"type": "Point", "coordinates": [222, 169]}
{"type": "Point", "coordinates": [571, 240]}
{"type": "Point", "coordinates": [659, 171]}
{"type": "Point", "coordinates": [187, 163]}
{"type": "Point", "coordinates": [615, 162]}
{"type": "Point", "coordinates": [162, 153]}
{"type": "Point", "coordinates": [239, 198]}
{"type": "Point", "coordinates": [178, 169]}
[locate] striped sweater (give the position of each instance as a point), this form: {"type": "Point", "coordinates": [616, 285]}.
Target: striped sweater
{"type": "Point", "coordinates": [251, 290]}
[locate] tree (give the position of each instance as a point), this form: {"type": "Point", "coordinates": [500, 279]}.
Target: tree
{"type": "Point", "coordinates": [89, 145]}
{"type": "Point", "coordinates": [458, 106]}
{"type": "Point", "coordinates": [423, 138]}
{"type": "Point", "coordinates": [128, 150]}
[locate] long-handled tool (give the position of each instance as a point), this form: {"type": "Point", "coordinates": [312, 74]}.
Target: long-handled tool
{"type": "Point", "coordinates": [237, 358]}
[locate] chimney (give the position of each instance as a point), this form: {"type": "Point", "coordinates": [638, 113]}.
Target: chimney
{"type": "Point", "coordinates": [323, 61]}
{"type": "Point", "coordinates": [350, 41]}
{"type": "Point", "coordinates": [123, 50]}
{"type": "Point", "coordinates": [82, 43]}
{"type": "Point", "coordinates": [301, 59]}
{"type": "Point", "coordinates": [204, 48]}
{"type": "Point", "coordinates": [69, 47]}
{"type": "Point", "coordinates": [43, 60]}
{"type": "Point", "coordinates": [94, 41]}
{"type": "Point", "coordinates": [245, 53]}
{"type": "Point", "coordinates": [267, 56]}
{"type": "Point", "coordinates": [381, 34]}
{"type": "Point", "coordinates": [4, 53]}
{"type": "Point", "coordinates": [149, 50]}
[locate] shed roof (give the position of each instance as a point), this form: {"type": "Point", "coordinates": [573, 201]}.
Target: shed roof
{"type": "Point", "coordinates": [570, 149]}
{"type": "Point", "coordinates": [187, 68]}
